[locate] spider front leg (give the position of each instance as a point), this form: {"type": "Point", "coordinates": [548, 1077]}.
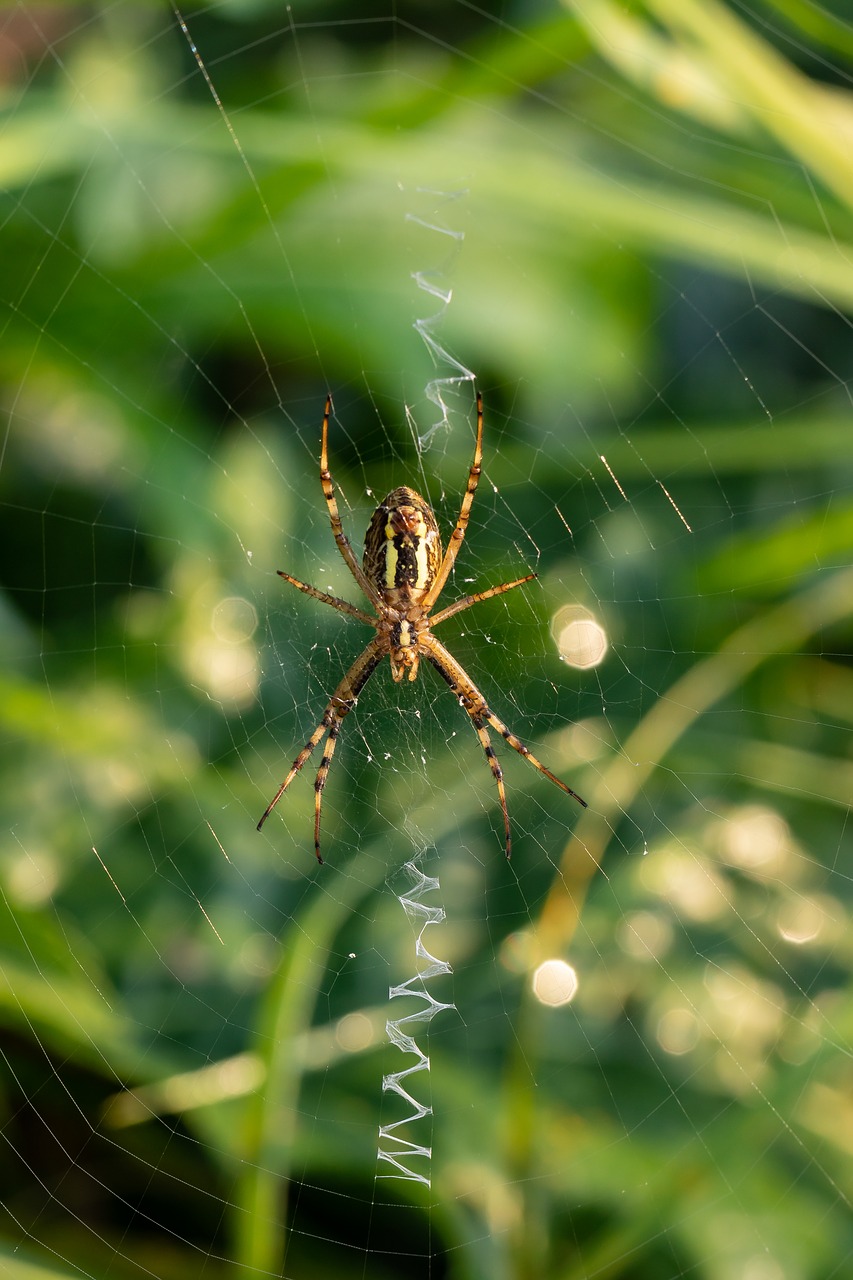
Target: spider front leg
{"type": "Point", "coordinates": [457, 537]}
{"type": "Point", "coordinates": [340, 704]}
{"type": "Point", "coordinates": [343, 543]}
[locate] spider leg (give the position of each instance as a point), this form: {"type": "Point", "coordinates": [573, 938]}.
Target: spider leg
{"type": "Point", "coordinates": [329, 718]}
{"type": "Point", "coordinates": [497, 773]}
{"type": "Point", "coordinates": [467, 601]}
{"type": "Point", "coordinates": [335, 601]}
{"type": "Point", "coordinates": [320, 782]}
{"type": "Point", "coordinates": [481, 714]}
{"type": "Point", "coordinates": [522, 750]}
{"type": "Point", "coordinates": [458, 535]}
{"type": "Point", "coordinates": [340, 704]}
{"type": "Point", "coordinates": [344, 544]}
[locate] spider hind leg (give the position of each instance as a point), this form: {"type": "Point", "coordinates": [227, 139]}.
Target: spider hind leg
{"type": "Point", "coordinates": [528, 755]}
{"type": "Point", "coordinates": [481, 714]}
{"type": "Point", "coordinates": [340, 704]}
{"type": "Point", "coordinates": [498, 774]}
{"type": "Point", "coordinates": [320, 782]}
{"type": "Point", "coordinates": [328, 722]}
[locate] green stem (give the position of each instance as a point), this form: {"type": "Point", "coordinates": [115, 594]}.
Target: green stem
{"type": "Point", "coordinates": [260, 1198]}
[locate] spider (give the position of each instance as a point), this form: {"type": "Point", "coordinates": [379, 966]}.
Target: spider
{"type": "Point", "coordinates": [402, 575]}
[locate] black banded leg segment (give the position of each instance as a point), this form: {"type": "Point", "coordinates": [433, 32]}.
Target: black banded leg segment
{"type": "Point", "coordinates": [522, 750]}
{"type": "Point", "coordinates": [322, 774]}
{"type": "Point", "coordinates": [336, 602]}
{"type": "Point", "coordinates": [457, 537]}
{"type": "Point", "coordinates": [467, 601]}
{"type": "Point", "coordinates": [343, 542]}
{"type": "Point", "coordinates": [470, 697]}
{"type": "Point", "coordinates": [319, 732]}
{"type": "Point", "coordinates": [340, 704]}
{"type": "Point", "coordinates": [497, 773]}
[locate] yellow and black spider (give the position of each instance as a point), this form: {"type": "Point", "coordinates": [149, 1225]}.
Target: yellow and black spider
{"type": "Point", "coordinates": [402, 575]}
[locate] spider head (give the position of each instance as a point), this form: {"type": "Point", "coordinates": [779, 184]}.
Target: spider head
{"type": "Point", "coordinates": [403, 662]}
{"type": "Point", "coordinates": [403, 650]}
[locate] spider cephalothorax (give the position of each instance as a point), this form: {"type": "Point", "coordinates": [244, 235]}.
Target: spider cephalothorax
{"type": "Point", "coordinates": [402, 575]}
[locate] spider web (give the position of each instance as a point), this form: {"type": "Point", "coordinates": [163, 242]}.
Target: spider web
{"type": "Point", "coordinates": [626, 1052]}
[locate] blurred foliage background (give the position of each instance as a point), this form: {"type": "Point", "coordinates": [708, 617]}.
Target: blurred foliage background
{"type": "Point", "coordinates": [656, 270]}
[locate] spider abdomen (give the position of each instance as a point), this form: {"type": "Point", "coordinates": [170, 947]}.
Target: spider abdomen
{"type": "Point", "coordinates": [402, 546]}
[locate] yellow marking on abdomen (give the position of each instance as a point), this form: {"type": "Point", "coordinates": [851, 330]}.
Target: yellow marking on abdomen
{"type": "Point", "coordinates": [421, 558]}
{"type": "Point", "coordinates": [390, 557]}
{"type": "Point", "coordinates": [415, 569]}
